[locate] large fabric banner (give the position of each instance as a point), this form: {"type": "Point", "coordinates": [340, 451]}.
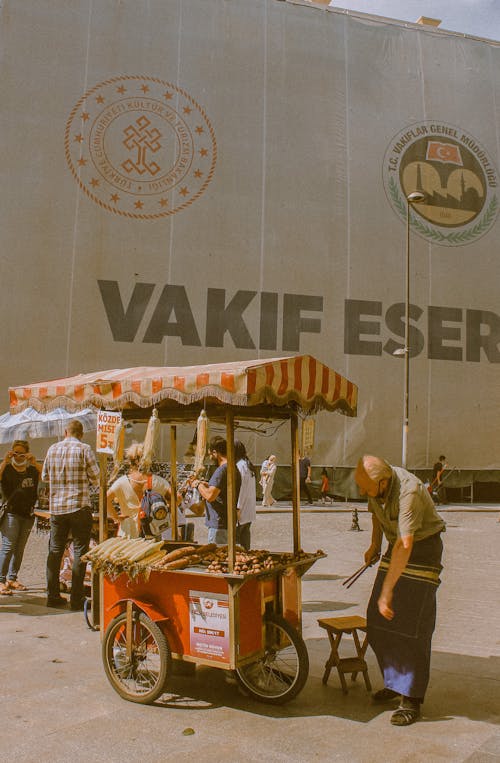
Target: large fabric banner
{"type": "Point", "coordinates": [203, 181]}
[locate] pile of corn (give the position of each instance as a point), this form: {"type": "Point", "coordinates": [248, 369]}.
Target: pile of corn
{"type": "Point", "coordinates": [134, 556]}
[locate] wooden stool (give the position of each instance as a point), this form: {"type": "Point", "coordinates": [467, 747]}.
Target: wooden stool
{"type": "Point", "coordinates": [336, 627]}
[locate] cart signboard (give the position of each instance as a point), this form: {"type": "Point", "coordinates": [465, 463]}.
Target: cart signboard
{"type": "Point", "coordinates": [107, 424]}
{"type": "Point", "coordinates": [308, 428]}
{"type": "Point", "coordinates": [209, 625]}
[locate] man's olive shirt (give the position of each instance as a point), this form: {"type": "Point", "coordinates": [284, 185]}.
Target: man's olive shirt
{"type": "Point", "coordinates": [407, 510]}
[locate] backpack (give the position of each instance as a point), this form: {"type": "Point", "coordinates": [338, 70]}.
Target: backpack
{"type": "Point", "coordinates": [154, 515]}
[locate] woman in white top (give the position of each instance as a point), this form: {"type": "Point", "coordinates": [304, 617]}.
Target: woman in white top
{"type": "Point", "coordinates": [127, 492]}
{"type": "Point", "coordinates": [247, 496]}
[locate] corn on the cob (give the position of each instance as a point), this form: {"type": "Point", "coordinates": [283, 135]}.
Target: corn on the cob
{"type": "Point", "coordinates": [153, 558]}
{"type": "Point", "coordinates": [201, 441]}
{"type": "Point", "coordinates": [136, 555]}
{"type": "Point", "coordinates": [150, 442]}
{"type": "Point", "coordinates": [102, 549]}
{"type": "Point", "coordinates": [122, 550]}
{"type": "Point", "coordinates": [118, 444]}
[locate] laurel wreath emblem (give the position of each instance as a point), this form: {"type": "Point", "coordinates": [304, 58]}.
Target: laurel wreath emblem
{"type": "Point", "coordinates": [453, 237]}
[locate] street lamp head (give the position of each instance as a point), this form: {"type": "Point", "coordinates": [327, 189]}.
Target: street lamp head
{"type": "Point", "coordinates": [416, 197]}
{"type": "Point", "coordinates": [401, 351]}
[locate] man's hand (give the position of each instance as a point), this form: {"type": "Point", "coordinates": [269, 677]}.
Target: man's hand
{"type": "Point", "coordinates": [371, 554]}
{"type": "Point", "coordinates": [385, 605]}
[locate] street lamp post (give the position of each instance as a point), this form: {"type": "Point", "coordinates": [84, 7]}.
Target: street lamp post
{"type": "Point", "coordinates": [412, 198]}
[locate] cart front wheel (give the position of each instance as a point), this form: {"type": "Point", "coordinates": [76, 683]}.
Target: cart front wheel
{"type": "Point", "coordinates": [136, 664]}
{"type": "Point", "coordinates": [281, 672]}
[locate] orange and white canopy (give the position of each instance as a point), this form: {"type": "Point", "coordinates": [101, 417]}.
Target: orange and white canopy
{"type": "Point", "coordinates": [242, 384]}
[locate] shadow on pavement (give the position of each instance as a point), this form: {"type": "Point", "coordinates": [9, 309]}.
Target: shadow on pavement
{"type": "Point", "coordinates": [30, 605]}
{"type": "Point", "coordinates": [461, 686]}
{"type": "Point", "coordinates": [318, 576]}
{"type": "Point", "coordinates": [327, 606]}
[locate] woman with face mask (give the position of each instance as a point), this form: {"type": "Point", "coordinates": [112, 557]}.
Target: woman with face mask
{"type": "Point", "coordinates": [19, 476]}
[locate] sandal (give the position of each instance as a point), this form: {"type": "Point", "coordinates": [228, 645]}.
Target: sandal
{"type": "Point", "coordinates": [5, 590]}
{"type": "Point", "coordinates": [16, 585]}
{"type": "Point", "coordinates": [385, 695]}
{"type": "Point", "coordinates": [406, 714]}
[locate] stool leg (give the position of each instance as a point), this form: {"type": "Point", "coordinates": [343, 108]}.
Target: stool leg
{"type": "Point", "coordinates": [355, 638]}
{"type": "Point", "coordinates": [336, 659]}
{"type": "Point", "coordinates": [331, 660]}
{"type": "Point", "coordinates": [367, 680]}
{"type": "Point", "coordinates": [361, 650]}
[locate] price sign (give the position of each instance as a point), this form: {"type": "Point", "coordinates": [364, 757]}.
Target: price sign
{"type": "Point", "coordinates": [107, 424]}
{"type": "Point", "coordinates": [308, 435]}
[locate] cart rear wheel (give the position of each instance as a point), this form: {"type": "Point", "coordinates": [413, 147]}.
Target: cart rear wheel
{"type": "Point", "coordinates": [281, 672]}
{"type": "Point", "coordinates": [142, 676]}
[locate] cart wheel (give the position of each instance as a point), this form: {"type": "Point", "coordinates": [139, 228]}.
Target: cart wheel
{"type": "Point", "coordinates": [141, 677]}
{"type": "Point", "coordinates": [87, 608]}
{"type": "Point", "coordinates": [280, 674]}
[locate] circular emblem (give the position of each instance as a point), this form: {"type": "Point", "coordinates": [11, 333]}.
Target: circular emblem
{"type": "Point", "coordinates": [140, 147]}
{"type": "Point", "coordinates": [456, 176]}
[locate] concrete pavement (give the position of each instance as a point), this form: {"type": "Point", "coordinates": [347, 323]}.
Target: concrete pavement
{"type": "Point", "coordinates": [57, 705]}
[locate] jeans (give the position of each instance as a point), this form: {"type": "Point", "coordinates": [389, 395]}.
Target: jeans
{"type": "Point", "coordinates": [306, 487]}
{"type": "Point", "coordinates": [217, 536]}
{"type": "Point", "coordinates": [79, 523]}
{"type": "Point", "coordinates": [15, 532]}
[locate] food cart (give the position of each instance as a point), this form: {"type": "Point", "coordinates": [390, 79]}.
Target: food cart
{"type": "Point", "coordinates": [244, 621]}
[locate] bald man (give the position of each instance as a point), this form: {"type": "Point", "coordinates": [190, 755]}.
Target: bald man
{"type": "Point", "coordinates": [401, 613]}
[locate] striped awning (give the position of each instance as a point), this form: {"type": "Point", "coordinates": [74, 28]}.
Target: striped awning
{"type": "Point", "coordinates": [244, 384]}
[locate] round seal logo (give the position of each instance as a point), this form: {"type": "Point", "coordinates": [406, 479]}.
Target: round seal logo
{"type": "Point", "coordinates": [455, 174]}
{"type": "Point", "coordinates": [140, 147]}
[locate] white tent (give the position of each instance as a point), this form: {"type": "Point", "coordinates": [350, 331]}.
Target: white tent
{"type": "Point", "coordinates": [31, 424]}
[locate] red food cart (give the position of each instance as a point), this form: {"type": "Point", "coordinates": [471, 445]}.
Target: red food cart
{"type": "Point", "coordinates": [247, 623]}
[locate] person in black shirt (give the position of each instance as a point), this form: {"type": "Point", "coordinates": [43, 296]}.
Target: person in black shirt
{"type": "Point", "coordinates": [305, 476]}
{"type": "Point", "coordinates": [437, 477]}
{"type": "Point", "coordinates": [19, 476]}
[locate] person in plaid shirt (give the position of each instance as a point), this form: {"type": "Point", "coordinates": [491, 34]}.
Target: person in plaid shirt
{"type": "Point", "coordinates": [70, 467]}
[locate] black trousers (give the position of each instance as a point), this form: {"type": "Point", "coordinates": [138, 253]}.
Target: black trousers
{"type": "Point", "coordinates": [79, 524]}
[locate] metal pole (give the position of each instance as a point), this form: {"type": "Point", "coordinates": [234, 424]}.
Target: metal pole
{"type": "Point", "coordinates": [231, 492]}
{"type": "Point", "coordinates": [294, 433]}
{"type": "Point", "coordinates": [173, 481]}
{"type": "Point", "coordinates": [416, 197]}
{"type": "Point", "coordinates": [103, 489]}
{"type": "Point", "coordinates": [404, 454]}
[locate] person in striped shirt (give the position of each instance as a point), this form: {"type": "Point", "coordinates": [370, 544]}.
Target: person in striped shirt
{"type": "Point", "coordinates": [70, 467]}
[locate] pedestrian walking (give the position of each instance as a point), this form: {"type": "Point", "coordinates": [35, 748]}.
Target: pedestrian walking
{"type": "Point", "coordinates": [19, 477]}
{"type": "Point", "coordinates": [70, 467]}
{"type": "Point", "coordinates": [305, 477]}
{"type": "Point", "coordinates": [267, 475]}
{"type": "Point", "coordinates": [325, 487]}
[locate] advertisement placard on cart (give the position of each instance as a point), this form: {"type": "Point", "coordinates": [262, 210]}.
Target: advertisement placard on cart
{"type": "Point", "coordinates": [209, 625]}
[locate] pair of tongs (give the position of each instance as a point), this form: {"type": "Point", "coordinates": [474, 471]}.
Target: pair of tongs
{"type": "Point", "coordinates": [349, 581]}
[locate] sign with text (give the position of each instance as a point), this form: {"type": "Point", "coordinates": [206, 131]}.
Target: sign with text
{"type": "Point", "coordinates": [107, 424]}
{"type": "Point", "coordinates": [209, 625]}
{"type": "Point", "coordinates": [308, 427]}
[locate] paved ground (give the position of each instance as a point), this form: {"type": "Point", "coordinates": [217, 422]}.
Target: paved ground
{"type": "Point", "coordinates": [57, 705]}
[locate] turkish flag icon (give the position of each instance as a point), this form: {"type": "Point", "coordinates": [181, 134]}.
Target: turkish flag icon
{"type": "Point", "coordinates": [447, 153]}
